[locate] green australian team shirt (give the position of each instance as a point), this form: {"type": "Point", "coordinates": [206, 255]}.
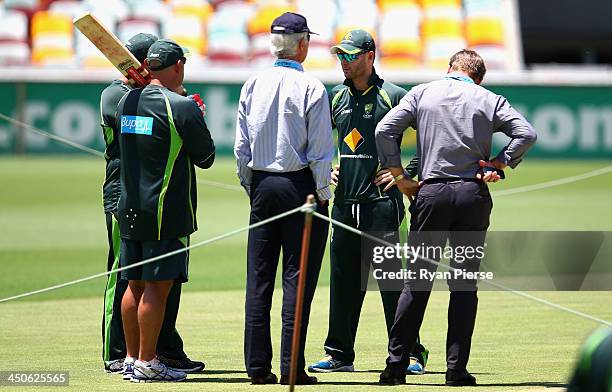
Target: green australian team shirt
{"type": "Point", "coordinates": [162, 136]}
{"type": "Point", "coordinates": [355, 115]}
{"type": "Point", "coordinates": [109, 99]}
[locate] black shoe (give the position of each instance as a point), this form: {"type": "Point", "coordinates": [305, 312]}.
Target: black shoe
{"type": "Point", "coordinates": [388, 377]}
{"type": "Point", "coordinates": [459, 378]}
{"type": "Point", "coordinates": [182, 365]}
{"type": "Point", "coordinates": [114, 367]}
{"type": "Point", "coordinates": [270, 378]}
{"type": "Point", "coordinates": [301, 379]}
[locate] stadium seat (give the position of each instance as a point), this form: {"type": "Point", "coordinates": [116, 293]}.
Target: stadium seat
{"type": "Point", "coordinates": [115, 9]}
{"type": "Point", "coordinates": [259, 29]}
{"type": "Point", "coordinates": [400, 38]}
{"type": "Point", "coordinates": [356, 14]}
{"type": "Point", "coordinates": [131, 26]}
{"type": "Point", "coordinates": [442, 32]}
{"type": "Point", "coordinates": [485, 31]}
{"type": "Point", "coordinates": [14, 48]}
{"type": "Point", "coordinates": [187, 31]}
{"type": "Point", "coordinates": [154, 10]}
{"type": "Point", "coordinates": [324, 24]}
{"type": "Point", "coordinates": [68, 7]}
{"type": "Point", "coordinates": [198, 8]}
{"type": "Point", "coordinates": [52, 39]}
{"type": "Point", "coordinates": [228, 41]}
{"type": "Point", "coordinates": [88, 56]}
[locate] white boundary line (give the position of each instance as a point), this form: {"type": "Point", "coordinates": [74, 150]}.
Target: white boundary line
{"type": "Point", "coordinates": [553, 183]}
{"type": "Point", "coordinates": [448, 267]}
{"type": "Point", "coordinates": [236, 188]}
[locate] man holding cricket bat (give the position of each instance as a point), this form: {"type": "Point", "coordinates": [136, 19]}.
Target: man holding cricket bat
{"type": "Point", "coordinates": [170, 344]}
{"type": "Point", "coordinates": [162, 136]}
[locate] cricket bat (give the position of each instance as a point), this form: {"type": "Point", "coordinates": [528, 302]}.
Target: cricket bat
{"type": "Point", "coordinates": [112, 48]}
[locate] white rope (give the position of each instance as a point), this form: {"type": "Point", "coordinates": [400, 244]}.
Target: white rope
{"type": "Point", "coordinates": [301, 208]}
{"type": "Point", "coordinates": [221, 185]}
{"type": "Point", "coordinates": [448, 267]}
{"type": "Point", "coordinates": [53, 137]}
{"type": "Point", "coordinates": [553, 183]}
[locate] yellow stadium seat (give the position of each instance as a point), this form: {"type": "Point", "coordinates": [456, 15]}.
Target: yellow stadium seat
{"type": "Point", "coordinates": [441, 28]}
{"type": "Point", "coordinates": [263, 18]}
{"type": "Point", "coordinates": [198, 8]}
{"type": "Point", "coordinates": [440, 3]}
{"type": "Point", "coordinates": [484, 31]}
{"type": "Point", "coordinates": [393, 47]}
{"type": "Point", "coordinates": [52, 39]}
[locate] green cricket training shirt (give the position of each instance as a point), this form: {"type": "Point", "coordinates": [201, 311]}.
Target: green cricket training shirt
{"type": "Point", "coordinates": [109, 99]}
{"type": "Point", "coordinates": [162, 136]}
{"type": "Point", "coordinates": [355, 115]}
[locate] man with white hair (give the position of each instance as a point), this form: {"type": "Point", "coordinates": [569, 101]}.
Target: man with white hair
{"type": "Point", "coordinates": [284, 150]}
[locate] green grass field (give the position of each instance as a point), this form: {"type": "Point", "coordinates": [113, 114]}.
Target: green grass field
{"type": "Point", "coordinates": [52, 230]}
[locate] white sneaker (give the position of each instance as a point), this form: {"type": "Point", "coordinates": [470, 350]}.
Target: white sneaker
{"type": "Point", "coordinates": [155, 371]}
{"type": "Point", "coordinates": [128, 368]}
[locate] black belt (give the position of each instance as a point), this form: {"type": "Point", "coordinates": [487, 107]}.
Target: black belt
{"type": "Point", "coordinates": [449, 180]}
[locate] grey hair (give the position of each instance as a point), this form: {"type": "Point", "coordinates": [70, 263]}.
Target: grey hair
{"type": "Point", "coordinates": [283, 45]}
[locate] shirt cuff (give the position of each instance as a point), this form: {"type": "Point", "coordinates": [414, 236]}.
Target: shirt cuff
{"type": "Point", "coordinates": [324, 193]}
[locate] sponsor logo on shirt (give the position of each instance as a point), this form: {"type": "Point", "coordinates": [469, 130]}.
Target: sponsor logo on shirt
{"type": "Point", "coordinates": [358, 156]}
{"type": "Point", "coordinates": [353, 140]}
{"type": "Point", "coordinates": [137, 125]}
{"type": "Point", "coordinates": [347, 111]}
{"type": "Point", "coordinates": [368, 111]}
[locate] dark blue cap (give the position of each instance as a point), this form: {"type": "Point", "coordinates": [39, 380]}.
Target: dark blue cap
{"type": "Point", "coordinates": [290, 23]}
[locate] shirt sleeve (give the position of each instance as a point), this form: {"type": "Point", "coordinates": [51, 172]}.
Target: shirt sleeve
{"type": "Point", "coordinates": [320, 151]}
{"type": "Point", "coordinates": [390, 129]}
{"type": "Point", "coordinates": [196, 137]}
{"type": "Point", "coordinates": [242, 145]}
{"type": "Point", "coordinates": [507, 120]}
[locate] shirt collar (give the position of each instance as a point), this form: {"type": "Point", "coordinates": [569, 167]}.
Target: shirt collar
{"type": "Point", "coordinates": [460, 77]}
{"type": "Point", "coordinates": [373, 80]}
{"type": "Point", "coordinates": [289, 64]}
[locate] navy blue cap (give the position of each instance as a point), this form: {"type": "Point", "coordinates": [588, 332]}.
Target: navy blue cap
{"type": "Point", "coordinates": [290, 23]}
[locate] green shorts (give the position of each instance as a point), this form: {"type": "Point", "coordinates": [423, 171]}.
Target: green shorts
{"type": "Point", "coordinates": [169, 268]}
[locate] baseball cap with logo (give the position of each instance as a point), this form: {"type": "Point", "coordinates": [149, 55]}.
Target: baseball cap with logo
{"type": "Point", "coordinates": [290, 23]}
{"type": "Point", "coordinates": [164, 53]}
{"type": "Point", "coordinates": [355, 41]}
{"type": "Point", "coordinates": [139, 45]}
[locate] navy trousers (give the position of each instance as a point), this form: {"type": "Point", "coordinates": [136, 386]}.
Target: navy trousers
{"type": "Point", "coordinates": [443, 210]}
{"type": "Point", "coordinates": [272, 194]}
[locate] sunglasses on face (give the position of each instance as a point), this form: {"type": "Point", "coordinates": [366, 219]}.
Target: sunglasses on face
{"type": "Point", "coordinates": [348, 57]}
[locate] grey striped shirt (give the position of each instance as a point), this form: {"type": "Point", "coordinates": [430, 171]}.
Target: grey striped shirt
{"type": "Point", "coordinates": [284, 125]}
{"type": "Point", "coordinates": [455, 121]}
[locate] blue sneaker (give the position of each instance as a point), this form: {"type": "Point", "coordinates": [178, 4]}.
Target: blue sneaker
{"type": "Point", "coordinates": [329, 365]}
{"type": "Point", "coordinates": [417, 363]}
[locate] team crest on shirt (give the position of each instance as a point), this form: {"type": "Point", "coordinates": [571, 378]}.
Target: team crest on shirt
{"type": "Point", "coordinates": [353, 140]}
{"type": "Point", "coordinates": [368, 111]}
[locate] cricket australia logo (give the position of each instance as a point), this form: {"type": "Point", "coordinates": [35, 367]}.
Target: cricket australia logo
{"type": "Point", "coordinates": [368, 111]}
{"type": "Point", "coordinates": [353, 140]}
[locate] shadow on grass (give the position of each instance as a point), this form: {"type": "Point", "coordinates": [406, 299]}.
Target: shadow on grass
{"type": "Point", "coordinates": [542, 384]}
{"type": "Point", "coordinates": [416, 375]}
{"type": "Point", "coordinates": [221, 371]}
{"type": "Point", "coordinates": [241, 380]}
